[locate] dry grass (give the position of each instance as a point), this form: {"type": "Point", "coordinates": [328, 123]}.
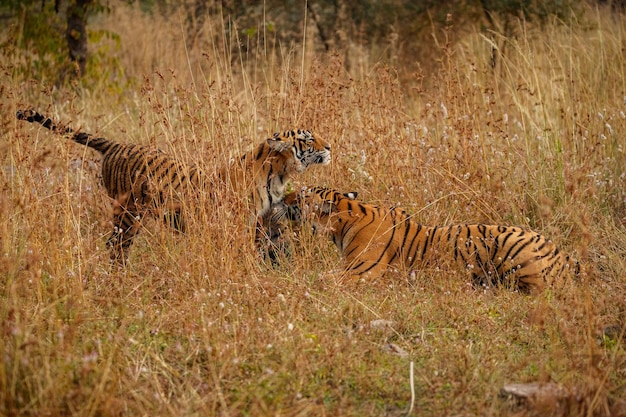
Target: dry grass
{"type": "Point", "coordinates": [198, 325]}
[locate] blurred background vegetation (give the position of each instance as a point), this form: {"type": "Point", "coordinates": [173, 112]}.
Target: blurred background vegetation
{"type": "Point", "coordinates": [63, 40]}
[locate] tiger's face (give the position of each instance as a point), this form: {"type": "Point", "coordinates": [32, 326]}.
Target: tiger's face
{"type": "Point", "coordinates": [319, 205]}
{"type": "Point", "coordinates": [307, 149]}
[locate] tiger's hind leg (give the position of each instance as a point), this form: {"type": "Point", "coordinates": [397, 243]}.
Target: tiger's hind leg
{"type": "Point", "coordinates": [126, 222]}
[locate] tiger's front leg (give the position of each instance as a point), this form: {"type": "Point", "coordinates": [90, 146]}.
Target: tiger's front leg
{"type": "Point", "coordinates": [175, 220]}
{"type": "Point", "coordinates": [272, 240]}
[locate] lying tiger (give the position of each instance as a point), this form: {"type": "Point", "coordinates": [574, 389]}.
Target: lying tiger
{"type": "Point", "coordinates": [373, 239]}
{"type": "Point", "coordinates": [144, 181]}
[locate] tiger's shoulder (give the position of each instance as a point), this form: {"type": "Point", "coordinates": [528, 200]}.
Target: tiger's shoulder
{"type": "Point", "coordinates": [265, 169]}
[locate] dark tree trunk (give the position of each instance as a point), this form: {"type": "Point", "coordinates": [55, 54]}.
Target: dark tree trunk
{"type": "Point", "coordinates": [76, 34]}
{"type": "Point", "coordinates": [195, 19]}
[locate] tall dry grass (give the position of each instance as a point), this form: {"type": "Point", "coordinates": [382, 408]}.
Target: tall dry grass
{"type": "Point", "coordinates": [198, 325]}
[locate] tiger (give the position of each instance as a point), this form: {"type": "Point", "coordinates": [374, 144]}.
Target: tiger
{"type": "Point", "coordinates": [146, 182]}
{"type": "Point", "coordinates": [374, 239]}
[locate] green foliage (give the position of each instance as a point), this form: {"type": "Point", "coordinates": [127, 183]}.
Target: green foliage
{"type": "Point", "coordinates": [104, 67]}
{"type": "Point", "coordinates": [40, 35]}
{"type": "Point", "coordinates": [40, 41]}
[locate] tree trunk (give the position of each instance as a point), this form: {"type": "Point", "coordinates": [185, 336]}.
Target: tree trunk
{"type": "Point", "coordinates": [76, 33]}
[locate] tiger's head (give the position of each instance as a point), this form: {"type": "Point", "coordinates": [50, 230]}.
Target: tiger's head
{"type": "Point", "coordinates": [263, 172]}
{"type": "Point", "coordinates": [319, 205]}
{"type": "Point", "coordinates": [307, 149]}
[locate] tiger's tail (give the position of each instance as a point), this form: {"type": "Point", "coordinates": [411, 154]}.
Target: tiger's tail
{"type": "Point", "coordinates": [33, 116]}
{"type": "Point", "coordinates": [99, 144]}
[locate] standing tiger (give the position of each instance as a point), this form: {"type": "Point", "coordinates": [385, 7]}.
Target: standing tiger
{"type": "Point", "coordinates": [145, 181]}
{"type": "Point", "coordinates": [373, 239]}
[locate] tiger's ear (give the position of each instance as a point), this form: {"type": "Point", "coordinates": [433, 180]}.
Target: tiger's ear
{"type": "Point", "coordinates": [291, 198]}
{"type": "Point", "coordinates": [278, 144]}
{"type": "Point", "coordinates": [352, 195]}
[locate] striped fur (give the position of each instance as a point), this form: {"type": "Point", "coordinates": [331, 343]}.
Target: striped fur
{"type": "Point", "coordinates": [373, 239]}
{"type": "Point", "coordinates": [144, 181]}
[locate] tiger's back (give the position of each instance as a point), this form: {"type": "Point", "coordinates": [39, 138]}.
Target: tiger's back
{"type": "Point", "coordinates": [373, 239]}
{"type": "Point", "coordinates": [129, 169]}
{"type": "Point", "coordinates": [495, 255]}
